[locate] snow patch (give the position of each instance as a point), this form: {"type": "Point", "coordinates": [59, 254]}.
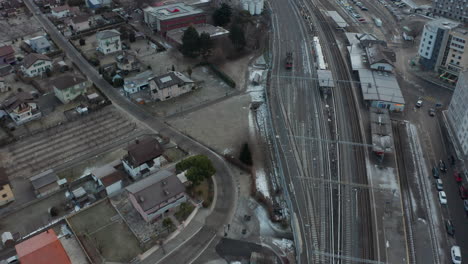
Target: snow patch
{"type": "Point", "coordinates": [227, 151]}
{"type": "Point", "coordinates": [284, 244]}
{"type": "Point", "coordinates": [262, 182]}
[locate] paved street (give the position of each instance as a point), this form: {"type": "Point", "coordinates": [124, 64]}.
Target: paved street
{"type": "Point", "coordinates": [226, 195]}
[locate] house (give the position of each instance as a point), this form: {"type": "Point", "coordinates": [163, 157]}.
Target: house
{"type": "Point", "coordinates": [21, 108]}
{"type": "Point", "coordinates": [95, 4]}
{"type": "Point", "coordinates": [380, 58]}
{"type": "Point", "coordinates": [108, 41]}
{"type": "Point", "coordinates": [109, 177]}
{"type": "Point", "coordinates": [80, 23]}
{"type": "Point", "coordinates": [170, 85]}
{"type": "Point", "coordinates": [45, 183]}
{"type": "Point", "coordinates": [67, 87]}
{"type": "Point", "coordinates": [143, 157]}
{"type": "Point", "coordinates": [40, 44]}
{"type": "Point", "coordinates": [157, 194]}
{"type": "Point", "coordinates": [7, 55]}
{"type": "Point", "coordinates": [167, 17]}
{"type": "Point", "coordinates": [6, 193]}
{"type": "Point", "coordinates": [35, 64]}
{"type": "Point", "coordinates": [128, 62]}
{"type": "Point", "coordinates": [44, 248]}
{"type": "Point", "coordinates": [61, 11]}
{"type": "Point", "coordinates": [111, 17]}
{"type": "Point", "coordinates": [138, 82]}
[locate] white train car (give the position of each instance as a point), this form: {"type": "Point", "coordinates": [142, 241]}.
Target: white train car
{"type": "Point", "coordinates": [321, 65]}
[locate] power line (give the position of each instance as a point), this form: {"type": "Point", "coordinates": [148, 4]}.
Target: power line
{"type": "Point", "coordinates": [352, 184]}
{"type": "Point", "coordinates": [336, 141]}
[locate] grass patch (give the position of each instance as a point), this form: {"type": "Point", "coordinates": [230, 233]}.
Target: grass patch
{"type": "Point", "coordinates": [203, 192]}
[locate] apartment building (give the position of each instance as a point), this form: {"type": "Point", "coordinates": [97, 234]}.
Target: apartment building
{"type": "Point", "coordinates": [458, 112]}
{"type": "Point", "coordinates": [442, 48]}
{"type": "Point", "coordinates": [453, 9]}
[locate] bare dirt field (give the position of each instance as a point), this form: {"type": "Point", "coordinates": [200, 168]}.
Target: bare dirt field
{"type": "Point", "coordinates": [222, 126]}
{"type": "Point", "coordinates": [17, 27]}
{"type": "Point", "coordinates": [103, 232]}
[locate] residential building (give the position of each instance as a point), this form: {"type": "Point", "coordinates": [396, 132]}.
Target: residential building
{"type": "Point", "coordinates": [170, 85]}
{"type": "Point", "coordinates": [22, 108]}
{"type": "Point", "coordinates": [45, 183]}
{"type": "Point", "coordinates": [108, 41]}
{"type": "Point", "coordinates": [167, 17]}
{"type": "Point", "coordinates": [442, 48]}
{"type": "Point", "coordinates": [138, 82]}
{"type": "Point", "coordinates": [95, 4]}
{"type": "Point", "coordinates": [80, 23]}
{"type": "Point", "coordinates": [6, 193]}
{"type": "Point", "coordinates": [128, 61]}
{"type": "Point", "coordinates": [36, 64]}
{"type": "Point", "coordinates": [373, 63]}
{"type": "Point", "coordinates": [40, 44]}
{"type": "Point", "coordinates": [143, 156]}
{"type": "Point", "coordinates": [458, 113]}
{"type": "Point", "coordinates": [7, 55]}
{"type": "Point", "coordinates": [68, 87]}
{"type": "Point", "coordinates": [175, 35]}
{"type": "Point", "coordinates": [453, 9]}
{"type": "Point", "coordinates": [157, 194]}
{"type": "Point", "coordinates": [44, 248]}
{"type": "Point", "coordinates": [109, 177]}
{"type": "Point", "coordinates": [61, 11]}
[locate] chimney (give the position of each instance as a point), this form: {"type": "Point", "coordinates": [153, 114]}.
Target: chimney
{"type": "Point", "coordinates": [142, 199]}
{"type": "Point", "coordinates": [137, 141]}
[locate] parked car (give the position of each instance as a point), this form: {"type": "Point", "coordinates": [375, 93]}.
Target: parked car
{"type": "Point", "coordinates": [463, 192]}
{"type": "Point", "coordinates": [431, 112]}
{"type": "Point", "coordinates": [449, 227]}
{"type": "Point", "coordinates": [419, 103]}
{"type": "Point", "coordinates": [439, 185]}
{"type": "Point", "coordinates": [442, 166]}
{"type": "Point", "coordinates": [362, 20]}
{"type": "Point", "coordinates": [435, 172]}
{"type": "Point", "coordinates": [456, 255]}
{"type": "Point", "coordinates": [457, 176]}
{"type": "Point", "coordinates": [363, 8]}
{"type": "Point", "coordinates": [442, 197]}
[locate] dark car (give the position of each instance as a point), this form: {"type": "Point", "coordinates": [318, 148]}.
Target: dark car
{"type": "Point", "coordinates": [457, 176]}
{"type": "Point", "coordinates": [463, 192]}
{"type": "Point", "coordinates": [431, 112]}
{"type": "Point", "coordinates": [435, 172]}
{"type": "Point", "coordinates": [449, 227]}
{"type": "Point", "coordinates": [442, 166]}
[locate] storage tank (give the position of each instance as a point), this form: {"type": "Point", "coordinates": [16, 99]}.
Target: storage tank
{"type": "Point", "coordinates": [259, 7]}
{"type": "Point", "coordinates": [252, 7]}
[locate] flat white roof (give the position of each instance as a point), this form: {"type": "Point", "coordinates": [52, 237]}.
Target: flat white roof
{"type": "Point", "coordinates": [325, 78]}
{"type": "Point", "coordinates": [337, 18]}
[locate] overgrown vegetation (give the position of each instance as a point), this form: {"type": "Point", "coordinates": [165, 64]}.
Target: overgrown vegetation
{"type": "Point", "coordinates": [194, 44]}
{"type": "Point", "coordinates": [222, 15]}
{"type": "Point", "coordinates": [198, 168]}
{"type": "Point", "coordinates": [245, 155]}
{"type": "Point", "coordinates": [185, 209]}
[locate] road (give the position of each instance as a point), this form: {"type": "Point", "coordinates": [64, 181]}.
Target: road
{"type": "Point", "coordinates": [226, 195]}
{"type": "Point", "coordinates": [330, 222]}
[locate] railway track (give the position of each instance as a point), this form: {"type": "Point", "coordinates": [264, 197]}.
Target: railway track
{"type": "Point", "coordinates": [347, 111]}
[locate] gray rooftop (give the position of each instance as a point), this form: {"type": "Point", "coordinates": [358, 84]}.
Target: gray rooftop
{"type": "Point", "coordinates": [105, 34]}
{"type": "Point", "coordinates": [325, 78]}
{"type": "Point", "coordinates": [43, 179]}
{"type": "Point", "coordinates": [141, 78]}
{"type": "Point", "coordinates": [155, 189]}
{"type": "Point", "coordinates": [171, 78]}
{"type": "Point", "coordinates": [443, 23]}
{"type": "Point", "coordinates": [40, 42]}
{"type": "Point", "coordinates": [381, 130]}
{"type": "Point", "coordinates": [337, 18]}
{"type": "Point", "coordinates": [172, 11]}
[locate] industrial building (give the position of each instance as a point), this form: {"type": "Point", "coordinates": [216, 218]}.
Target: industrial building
{"type": "Point", "coordinates": [373, 63]}
{"type": "Point", "coordinates": [458, 113]}
{"type": "Point", "coordinates": [381, 131]}
{"type": "Point", "coordinates": [167, 17]}
{"type": "Point", "coordinates": [442, 48]}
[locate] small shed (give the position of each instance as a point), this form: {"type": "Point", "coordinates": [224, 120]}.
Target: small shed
{"type": "Point", "coordinates": [45, 183]}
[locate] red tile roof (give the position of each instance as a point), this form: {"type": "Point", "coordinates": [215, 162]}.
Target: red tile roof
{"type": "Point", "coordinates": [44, 248]}
{"type": "Point", "coordinates": [6, 50]}
{"type": "Point", "coordinates": [112, 178]}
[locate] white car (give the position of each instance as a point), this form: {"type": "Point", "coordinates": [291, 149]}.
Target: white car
{"type": "Point", "coordinates": [456, 255]}
{"type": "Point", "coordinates": [439, 185]}
{"type": "Point", "coordinates": [442, 197]}
{"type": "Point", "coordinates": [419, 103]}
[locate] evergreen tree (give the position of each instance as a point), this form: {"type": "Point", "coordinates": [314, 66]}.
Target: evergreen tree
{"type": "Point", "coordinates": [237, 36]}
{"type": "Point", "coordinates": [245, 155]}
{"type": "Point", "coordinates": [190, 42]}
{"type": "Point", "coordinates": [222, 15]}
{"type": "Point", "coordinates": [206, 45]}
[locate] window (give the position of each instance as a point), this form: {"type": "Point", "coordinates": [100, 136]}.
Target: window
{"type": "Point", "coordinates": [453, 55]}
{"type": "Point", "coordinates": [430, 42]}
{"type": "Point", "coordinates": [4, 195]}
{"type": "Point", "coordinates": [430, 37]}
{"type": "Point", "coordinates": [427, 54]}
